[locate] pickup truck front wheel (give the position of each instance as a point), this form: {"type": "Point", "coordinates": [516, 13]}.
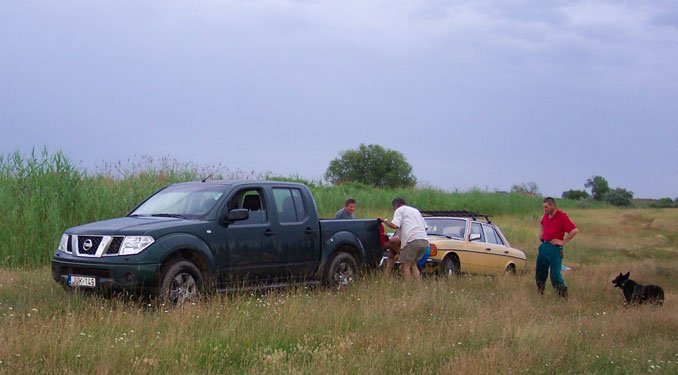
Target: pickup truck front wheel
{"type": "Point", "coordinates": [342, 272]}
{"type": "Point", "coordinates": [181, 282]}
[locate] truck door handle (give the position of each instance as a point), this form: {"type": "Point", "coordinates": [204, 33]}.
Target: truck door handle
{"type": "Point", "coordinates": [269, 232]}
{"type": "Point", "coordinates": [505, 251]}
{"type": "Point", "coordinates": [488, 249]}
{"type": "Point", "coordinates": [309, 231]}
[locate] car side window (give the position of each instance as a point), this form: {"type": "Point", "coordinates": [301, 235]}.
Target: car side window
{"type": "Point", "coordinates": [253, 201]}
{"type": "Point", "coordinates": [490, 235]}
{"type": "Point", "coordinates": [476, 228]}
{"type": "Point", "coordinates": [496, 234]}
{"type": "Point", "coordinates": [289, 205]}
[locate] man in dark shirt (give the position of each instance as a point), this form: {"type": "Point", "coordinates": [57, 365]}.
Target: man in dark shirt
{"type": "Point", "coordinates": [347, 211]}
{"type": "Point", "coordinates": [556, 230]}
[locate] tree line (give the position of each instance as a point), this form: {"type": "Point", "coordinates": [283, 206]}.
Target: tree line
{"type": "Point", "coordinates": [601, 191]}
{"type": "Point", "coordinates": [377, 166]}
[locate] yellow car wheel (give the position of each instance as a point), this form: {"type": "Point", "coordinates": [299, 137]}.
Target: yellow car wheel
{"type": "Point", "coordinates": [450, 265]}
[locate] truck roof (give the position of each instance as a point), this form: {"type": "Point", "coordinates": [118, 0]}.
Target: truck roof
{"type": "Point", "coordinates": [239, 182]}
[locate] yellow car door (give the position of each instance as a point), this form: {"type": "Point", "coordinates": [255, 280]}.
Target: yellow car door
{"type": "Point", "coordinates": [498, 256]}
{"type": "Point", "coordinates": [479, 252]}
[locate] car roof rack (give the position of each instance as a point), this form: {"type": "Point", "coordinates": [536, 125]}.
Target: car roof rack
{"type": "Point", "coordinates": [462, 213]}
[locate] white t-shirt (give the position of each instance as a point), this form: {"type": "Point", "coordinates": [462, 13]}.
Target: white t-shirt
{"type": "Point", "coordinates": [411, 223]}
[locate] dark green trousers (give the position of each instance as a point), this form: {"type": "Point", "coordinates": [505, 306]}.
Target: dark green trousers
{"type": "Point", "coordinates": [549, 259]}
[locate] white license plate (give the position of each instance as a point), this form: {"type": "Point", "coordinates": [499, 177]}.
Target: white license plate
{"type": "Point", "coordinates": [86, 281]}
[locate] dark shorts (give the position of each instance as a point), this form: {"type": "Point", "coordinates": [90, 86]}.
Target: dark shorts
{"type": "Point", "coordinates": [413, 251]}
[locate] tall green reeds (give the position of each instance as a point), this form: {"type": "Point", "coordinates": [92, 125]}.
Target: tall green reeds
{"type": "Point", "coordinates": [373, 201]}
{"type": "Point", "coordinates": [38, 194]}
{"type": "Point", "coordinates": [43, 193]}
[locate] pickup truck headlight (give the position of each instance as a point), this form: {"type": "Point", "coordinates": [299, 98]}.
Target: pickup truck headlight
{"type": "Point", "coordinates": [135, 244]}
{"type": "Point", "coordinates": [63, 243]}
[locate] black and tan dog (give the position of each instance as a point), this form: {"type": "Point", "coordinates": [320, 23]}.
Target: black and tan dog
{"type": "Point", "coordinates": [636, 293]}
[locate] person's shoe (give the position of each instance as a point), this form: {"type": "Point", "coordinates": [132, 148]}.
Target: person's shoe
{"type": "Point", "coordinates": [540, 289]}
{"type": "Point", "coordinates": [562, 292]}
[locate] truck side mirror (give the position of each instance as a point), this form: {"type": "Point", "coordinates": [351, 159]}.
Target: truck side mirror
{"type": "Point", "coordinates": [237, 214]}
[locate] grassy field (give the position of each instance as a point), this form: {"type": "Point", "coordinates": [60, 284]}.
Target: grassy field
{"type": "Point", "coordinates": [473, 324]}
{"type": "Point", "coordinates": [470, 324]}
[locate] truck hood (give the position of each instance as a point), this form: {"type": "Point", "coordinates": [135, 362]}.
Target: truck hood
{"type": "Point", "coordinates": [137, 225]}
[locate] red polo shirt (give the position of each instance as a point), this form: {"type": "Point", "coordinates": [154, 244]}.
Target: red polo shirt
{"type": "Point", "coordinates": [556, 227]}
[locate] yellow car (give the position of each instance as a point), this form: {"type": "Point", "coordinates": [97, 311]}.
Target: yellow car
{"type": "Point", "coordinates": [462, 243]}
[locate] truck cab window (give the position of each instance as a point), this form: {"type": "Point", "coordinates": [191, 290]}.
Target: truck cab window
{"type": "Point", "coordinates": [299, 204]}
{"type": "Point", "coordinates": [253, 201]}
{"type": "Point", "coordinates": [290, 205]}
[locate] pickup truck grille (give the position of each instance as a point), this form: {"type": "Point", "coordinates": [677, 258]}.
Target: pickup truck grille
{"type": "Point", "coordinates": [94, 246]}
{"type": "Point", "coordinates": [88, 245]}
{"type": "Point", "coordinates": [114, 246]}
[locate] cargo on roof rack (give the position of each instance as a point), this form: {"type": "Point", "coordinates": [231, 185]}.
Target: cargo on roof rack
{"type": "Point", "coordinates": [462, 213]}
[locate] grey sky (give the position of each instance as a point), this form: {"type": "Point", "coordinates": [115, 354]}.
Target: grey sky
{"type": "Point", "coordinates": [473, 93]}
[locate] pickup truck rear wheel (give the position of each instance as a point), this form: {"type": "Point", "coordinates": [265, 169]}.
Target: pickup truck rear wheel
{"type": "Point", "coordinates": [342, 272]}
{"type": "Point", "coordinates": [181, 282]}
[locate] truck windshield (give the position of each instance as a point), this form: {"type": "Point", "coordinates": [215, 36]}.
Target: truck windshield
{"type": "Point", "coordinates": [185, 201]}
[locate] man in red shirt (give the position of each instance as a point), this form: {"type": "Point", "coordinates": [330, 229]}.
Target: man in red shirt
{"type": "Point", "coordinates": [556, 230]}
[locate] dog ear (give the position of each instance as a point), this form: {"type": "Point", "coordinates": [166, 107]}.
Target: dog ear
{"type": "Point", "coordinates": [628, 274]}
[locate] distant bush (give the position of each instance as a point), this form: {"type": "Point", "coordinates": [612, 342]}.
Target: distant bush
{"type": "Point", "coordinates": [576, 194]}
{"type": "Point", "coordinates": [663, 203]}
{"type": "Point", "coordinates": [618, 197]}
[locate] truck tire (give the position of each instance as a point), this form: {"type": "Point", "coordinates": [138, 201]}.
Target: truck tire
{"type": "Point", "coordinates": [342, 272]}
{"type": "Point", "coordinates": [181, 282]}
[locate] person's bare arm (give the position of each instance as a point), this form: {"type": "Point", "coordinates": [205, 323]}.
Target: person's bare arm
{"type": "Point", "coordinates": [568, 237]}
{"type": "Point", "coordinates": [388, 223]}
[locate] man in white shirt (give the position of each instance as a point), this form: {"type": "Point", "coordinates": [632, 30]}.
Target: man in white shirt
{"type": "Point", "coordinates": [413, 243]}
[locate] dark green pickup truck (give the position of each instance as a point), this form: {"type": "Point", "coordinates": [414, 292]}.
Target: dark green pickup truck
{"type": "Point", "coordinates": [217, 235]}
